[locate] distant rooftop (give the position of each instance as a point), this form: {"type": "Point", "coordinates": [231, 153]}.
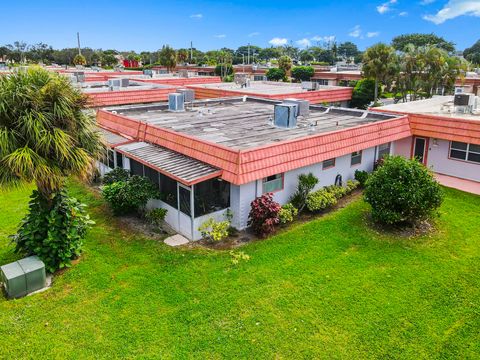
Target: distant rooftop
{"type": "Point", "coordinates": [438, 105]}
{"type": "Point", "coordinates": [102, 86]}
{"type": "Point", "coordinates": [240, 125]}
{"type": "Point", "coordinates": [264, 87]}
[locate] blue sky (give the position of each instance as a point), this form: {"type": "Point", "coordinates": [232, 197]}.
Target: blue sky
{"type": "Point", "coordinates": [147, 25]}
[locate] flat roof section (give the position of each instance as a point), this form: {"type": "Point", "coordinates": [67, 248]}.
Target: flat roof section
{"type": "Point", "coordinates": [173, 164]}
{"type": "Point", "coordinates": [437, 106]}
{"type": "Point", "coordinates": [241, 125]}
{"type": "Point", "coordinates": [265, 88]}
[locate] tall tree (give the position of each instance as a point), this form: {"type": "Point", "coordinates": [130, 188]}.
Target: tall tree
{"type": "Point", "coordinates": [472, 53]}
{"type": "Point", "coordinates": [45, 135]}
{"type": "Point", "coordinates": [285, 63]}
{"type": "Point", "coordinates": [400, 42]}
{"type": "Point", "coordinates": [168, 57]}
{"type": "Point", "coordinates": [377, 61]}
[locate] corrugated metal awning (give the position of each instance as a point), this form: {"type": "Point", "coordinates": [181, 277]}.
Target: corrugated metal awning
{"type": "Point", "coordinates": [112, 138]}
{"type": "Point", "coordinates": [182, 168]}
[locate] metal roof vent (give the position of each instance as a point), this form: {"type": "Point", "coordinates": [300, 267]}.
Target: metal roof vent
{"type": "Point", "coordinates": [303, 106]}
{"type": "Point", "coordinates": [285, 115]}
{"type": "Point", "coordinates": [176, 102]}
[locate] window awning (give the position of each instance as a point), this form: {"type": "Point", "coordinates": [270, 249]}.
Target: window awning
{"type": "Point", "coordinates": [182, 168]}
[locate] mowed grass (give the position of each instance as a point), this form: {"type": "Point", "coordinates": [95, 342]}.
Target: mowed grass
{"type": "Point", "coordinates": [332, 288]}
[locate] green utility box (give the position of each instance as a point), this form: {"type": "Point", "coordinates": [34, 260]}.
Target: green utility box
{"type": "Point", "coordinates": [34, 270]}
{"type": "Point", "coordinates": [13, 279]}
{"type": "Point", "coordinates": [23, 276]}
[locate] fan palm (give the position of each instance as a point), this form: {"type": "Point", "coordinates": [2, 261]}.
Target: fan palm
{"type": "Point", "coordinates": [45, 132]}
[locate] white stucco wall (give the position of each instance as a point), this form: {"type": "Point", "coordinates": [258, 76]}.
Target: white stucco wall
{"type": "Point", "coordinates": [402, 147]}
{"type": "Point", "coordinates": [438, 160]}
{"type": "Point", "coordinates": [243, 195]}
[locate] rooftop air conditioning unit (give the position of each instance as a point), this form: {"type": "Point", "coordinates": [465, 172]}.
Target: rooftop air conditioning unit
{"type": "Point", "coordinates": [461, 100]}
{"type": "Point", "coordinates": [303, 106]}
{"type": "Point", "coordinates": [285, 115]}
{"type": "Point", "coordinates": [188, 94]}
{"type": "Point", "coordinates": [176, 102]}
{"type": "Point", "coordinates": [458, 90]}
{"type": "Point", "coordinates": [183, 73]}
{"type": "Point", "coordinates": [114, 84]}
{"type": "Point", "coordinates": [309, 85]}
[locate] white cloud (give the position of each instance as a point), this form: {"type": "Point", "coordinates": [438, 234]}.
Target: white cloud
{"type": "Point", "coordinates": [220, 36]}
{"type": "Point", "coordinates": [403, 13]}
{"type": "Point", "coordinates": [356, 32]}
{"type": "Point", "coordinates": [196, 16]}
{"type": "Point", "coordinates": [385, 7]}
{"type": "Point", "coordinates": [256, 33]}
{"type": "Point", "coordinates": [303, 43]}
{"type": "Point", "coordinates": [453, 9]}
{"type": "Point", "coordinates": [328, 38]}
{"type": "Point", "coordinates": [373, 34]}
{"type": "Point", "coordinates": [276, 41]}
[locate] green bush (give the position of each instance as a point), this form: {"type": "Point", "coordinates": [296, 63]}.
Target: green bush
{"type": "Point", "coordinates": [363, 93]}
{"type": "Point", "coordinates": [337, 191]}
{"type": "Point", "coordinates": [361, 176]}
{"type": "Point", "coordinates": [117, 174]}
{"type": "Point", "coordinates": [352, 185]}
{"type": "Point", "coordinates": [276, 74]}
{"type": "Point", "coordinates": [131, 195]}
{"type": "Point", "coordinates": [53, 231]}
{"type": "Point", "coordinates": [320, 200]}
{"type": "Point", "coordinates": [287, 213]}
{"type": "Point", "coordinates": [212, 230]}
{"type": "Point", "coordinates": [402, 191]}
{"type": "Point", "coordinates": [156, 217]}
{"type": "Point", "coordinates": [302, 73]}
{"type": "Point", "coordinates": [306, 183]}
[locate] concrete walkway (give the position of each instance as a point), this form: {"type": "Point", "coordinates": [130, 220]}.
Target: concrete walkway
{"type": "Point", "coordinates": [469, 186]}
{"type": "Point", "coordinates": [176, 240]}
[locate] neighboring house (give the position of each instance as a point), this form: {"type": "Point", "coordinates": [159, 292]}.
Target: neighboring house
{"type": "Point", "coordinates": [223, 153]}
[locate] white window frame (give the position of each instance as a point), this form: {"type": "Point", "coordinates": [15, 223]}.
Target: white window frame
{"type": "Point", "coordinates": [278, 180]}
{"type": "Point", "coordinates": [355, 155]}
{"type": "Point", "coordinates": [467, 152]}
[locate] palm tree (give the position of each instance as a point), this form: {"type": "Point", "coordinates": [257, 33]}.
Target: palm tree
{"type": "Point", "coordinates": [45, 133]}
{"type": "Point", "coordinates": [377, 62]}
{"type": "Point", "coordinates": [168, 57]}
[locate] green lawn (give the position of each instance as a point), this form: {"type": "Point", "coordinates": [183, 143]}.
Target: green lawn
{"type": "Point", "coordinates": [331, 288]}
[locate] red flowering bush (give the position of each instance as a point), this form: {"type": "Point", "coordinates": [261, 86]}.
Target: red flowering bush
{"type": "Point", "coordinates": [264, 215]}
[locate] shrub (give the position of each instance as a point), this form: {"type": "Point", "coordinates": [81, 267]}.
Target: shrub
{"type": "Point", "coordinates": [263, 214]}
{"type": "Point", "coordinates": [361, 176]}
{"type": "Point", "coordinates": [276, 74]}
{"type": "Point", "coordinates": [129, 196]}
{"type": "Point", "coordinates": [337, 191]}
{"type": "Point", "coordinates": [306, 183]}
{"type": "Point", "coordinates": [363, 93]}
{"type": "Point", "coordinates": [79, 60]}
{"type": "Point", "coordinates": [287, 213]}
{"type": "Point", "coordinates": [212, 230]}
{"type": "Point", "coordinates": [402, 191]}
{"type": "Point", "coordinates": [303, 73]}
{"type": "Point", "coordinates": [320, 200]}
{"type": "Point", "coordinates": [156, 217]}
{"type": "Point", "coordinates": [117, 174]}
{"type": "Point", "coordinates": [53, 231]}
{"type": "Point", "coordinates": [352, 185]}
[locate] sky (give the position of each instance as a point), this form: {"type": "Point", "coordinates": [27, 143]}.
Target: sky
{"type": "Point", "coordinates": [147, 25]}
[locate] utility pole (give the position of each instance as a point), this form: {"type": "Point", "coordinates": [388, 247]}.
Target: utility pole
{"type": "Point", "coordinates": [191, 51]}
{"type": "Point", "coordinates": [78, 42]}
{"type": "Point", "coordinates": [248, 57]}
